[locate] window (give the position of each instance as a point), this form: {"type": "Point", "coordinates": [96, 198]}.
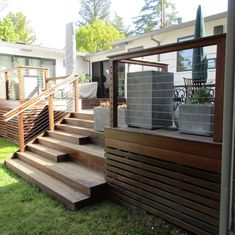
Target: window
{"type": "Point", "coordinates": [184, 58]}
{"type": "Point", "coordinates": [211, 63]}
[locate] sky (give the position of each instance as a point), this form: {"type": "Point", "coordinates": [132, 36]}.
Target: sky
{"type": "Point", "coordinates": [49, 17]}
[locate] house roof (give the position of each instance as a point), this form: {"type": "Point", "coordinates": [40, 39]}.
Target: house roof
{"type": "Point", "coordinates": [30, 48]}
{"type": "Point", "coordinates": [168, 29]}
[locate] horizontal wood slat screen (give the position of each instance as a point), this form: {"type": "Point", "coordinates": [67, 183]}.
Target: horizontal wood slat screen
{"type": "Point", "coordinates": [175, 179]}
{"type": "Point", "coordinates": [35, 122]}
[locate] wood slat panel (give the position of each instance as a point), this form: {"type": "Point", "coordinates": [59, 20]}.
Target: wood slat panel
{"type": "Point", "coordinates": [167, 180]}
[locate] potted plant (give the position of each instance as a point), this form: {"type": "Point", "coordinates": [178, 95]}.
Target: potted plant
{"type": "Point", "coordinates": [196, 116]}
{"type": "Point", "coordinates": [101, 115]}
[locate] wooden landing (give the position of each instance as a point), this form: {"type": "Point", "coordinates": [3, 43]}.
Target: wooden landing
{"type": "Point", "coordinates": [66, 163]}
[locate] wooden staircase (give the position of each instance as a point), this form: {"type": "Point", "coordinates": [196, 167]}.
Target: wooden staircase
{"type": "Point", "coordinates": [67, 163]}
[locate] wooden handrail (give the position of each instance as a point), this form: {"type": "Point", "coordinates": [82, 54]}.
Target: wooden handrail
{"type": "Point", "coordinates": [16, 111]}
{"type": "Point", "coordinates": [22, 67]}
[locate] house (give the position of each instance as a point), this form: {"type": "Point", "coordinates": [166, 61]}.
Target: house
{"type": "Point", "coordinates": [96, 64]}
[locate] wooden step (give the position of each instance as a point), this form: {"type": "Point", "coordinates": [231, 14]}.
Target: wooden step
{"type": "Point", "coordinates": [89, 155]}
{"type": "Point", "coordinates": [84, 116]}
{"type": "Point", "coordinates": [69, 137]}
{"type": "Point", "coordinates": [79, 122]}
{"type": "Point", "coordinates": [79, 177]}
{"type": "Point", "coordinates": [47, 152]}
{"type": "Point", "coordinates": [73, 199]}
{"type": "Point", "coordinates": [96, 137]}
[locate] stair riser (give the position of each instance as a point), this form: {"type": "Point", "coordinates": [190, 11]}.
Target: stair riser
{"type": "Point", "coordinates": [68, 204]}
{"type": "Point", "coordinates": [84, 158]}
{"type": "Point", "coordinates": [58, 158]}
{"type": "Point", "coordinates": [69, 139]}
{"type": "Point", "coordinates": [82, 116]}
{"type": "Point", "coordinates": [56, 175]}
{"type": "Point", "coordinates": [81, 123]}
{"type": "Point", "coordinates": [96, 137]}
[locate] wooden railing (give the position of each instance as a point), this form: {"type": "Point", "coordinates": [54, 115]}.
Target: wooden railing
{"type": "Point", "coordinates": [217, 40]}
{"type": "Point", "coordinates": [19, 71]}
{"type": "Point", "coordinates": [48, 93]}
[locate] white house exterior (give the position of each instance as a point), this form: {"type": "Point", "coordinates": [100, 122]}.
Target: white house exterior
{"type": "Point", "coordinates": [96, 64]}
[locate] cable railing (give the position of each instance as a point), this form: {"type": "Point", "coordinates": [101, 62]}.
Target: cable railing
{"type": "Point", "coordinates": [158, 95]}
{"type": "Point", "coordinates": [22, 82]}
{"type": "Point", "coordinates": [47, 117]}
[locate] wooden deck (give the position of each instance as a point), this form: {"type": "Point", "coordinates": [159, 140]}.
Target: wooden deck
{"type": "Point", "coordinates": [176, 177]}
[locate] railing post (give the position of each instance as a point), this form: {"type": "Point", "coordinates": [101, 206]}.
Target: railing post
{"type": "Point", "coordinates": [113, 80]}
{"type": "Point", "coordinates": [6, 84]}
{"type": "Point", "coordinates": [76, 96]}
{"type": "Point", "coordinates": [51, 113]}
{"type": "Point", "coordinates": [45, 79]}
{"type": "Point", "coordinates": [21, 132]}
{"type": "Point", "coordinates": [21, 83]}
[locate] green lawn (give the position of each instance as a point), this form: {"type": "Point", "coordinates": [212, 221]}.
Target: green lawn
{"type": "Point", "coordinates": [26, 210]}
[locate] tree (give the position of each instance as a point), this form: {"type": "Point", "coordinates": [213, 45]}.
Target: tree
{"type": "Point", "coordinates": [119, 25]}
{"type": "Point", "coordinates": [155, 14]}
{"type": "Point", "coordinates": [15, 28]}
{"type": "Point", "coordinates": [96, 36]}
{"type": "Point", "coordinates": [91, 10]}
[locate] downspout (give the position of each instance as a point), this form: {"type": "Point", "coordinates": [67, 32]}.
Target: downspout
{"type": "Point", "coordinates": [158, 44]}
{"type": "Point", "coordinates": [89, 66]}
{"type": "Point", "coordinates": [228, 126]}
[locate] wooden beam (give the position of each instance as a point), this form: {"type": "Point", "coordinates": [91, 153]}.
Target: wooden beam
{"type": "Point", "coordinates": [113, 80]}
{"type": "Point", "coordinates": [219, 90]}
{"type": "Point", "coordinates": [76, 96]}
{"type": "Point", "coordinates": [163, 66]}
{"type": "Point", "coordinates": [51, 113]}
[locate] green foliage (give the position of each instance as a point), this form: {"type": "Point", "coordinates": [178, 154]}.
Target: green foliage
{"type": "Point", "coordinates": [84, 78]}
{"type": "Point", "coordinates": [96, 36]}
{"type": "Point", "coordinates": [91, 10]}
{"type": "Point", "coordinates": [155, 14]}
{"type": "Point", "coordinates": [25, 210]}
{"type": "Point", "coordinates": [202, 96]}
{"type": "Point", "coordinates": [15, 28]}
{"type": "Point", "coordinates": [119, 25]}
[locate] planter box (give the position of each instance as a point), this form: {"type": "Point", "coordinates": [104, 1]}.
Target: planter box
{"type": "Point", "coordinates": [196, 119]}
{"type": "Point", "coordinates": [150, 99]}
{"type": "Point", "coordinates": [101, 118]}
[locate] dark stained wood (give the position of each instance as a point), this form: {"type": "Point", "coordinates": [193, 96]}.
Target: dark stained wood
{"type": "Point", "coordinates": [113, 91]}
{"type": "Point", "coordinates": [165, 178]}
{"type": "Point", "coordinates": [189, 160]}
{"type": "Point", "coordinates": [201, 148]}
{"type": "Point", "coordinates": [219, 90]}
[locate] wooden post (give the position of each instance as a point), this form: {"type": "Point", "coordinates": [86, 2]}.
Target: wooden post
{"type": "Point", "coordinates": [219, 91]}
{"type": "Point", "coordinates": [6, 83]}
{"type": "Point", "coordinates": [113, 80]}
{"type": "Point", "coordinates": [76, 96]}
{"type": "Point", "coordinates": [45, 83]}
{"type": "Point", "coordinates": [21, 132]}
{"type": "Point", "coordinates": [51, 113]}
{"type": "Point", "coordinates": [21, 83]}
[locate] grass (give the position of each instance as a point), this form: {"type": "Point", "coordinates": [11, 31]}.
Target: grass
{"type": "Point", "coordinates": [25, 210]}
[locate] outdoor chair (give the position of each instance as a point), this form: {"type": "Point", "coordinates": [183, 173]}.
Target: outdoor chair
{"type": "Point", "coordinates": [191, 87]}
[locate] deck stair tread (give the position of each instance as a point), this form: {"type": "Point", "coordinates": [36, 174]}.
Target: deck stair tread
{"type": "Point", "coordinates": [69, 137]}
{"type": "Point", "coordinates": [46, 151]}
{"type": "Point", "coordinates": [68, 134]}
{"type": "Point", "coordinates": [69, 170]}
{"type": "Point", "coordinates": [93, 149]}
{"type": "Point", "coordinates": [85, 116]}
{"type": "Point", "coordinates": [77, 127]}
{"type": "Point", "coordinates": [78, 119]}
{"type": "Point", "coordinates": [79, 122]}
{"type": "Point", "coordinates": [71, 197]}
